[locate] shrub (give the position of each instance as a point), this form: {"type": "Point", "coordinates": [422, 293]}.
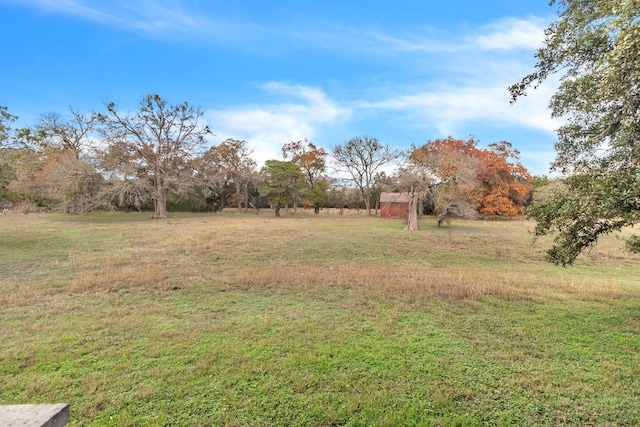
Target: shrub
{"type": "Point", "coordinates": [632, 244]}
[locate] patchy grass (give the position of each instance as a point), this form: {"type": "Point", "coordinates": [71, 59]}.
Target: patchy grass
{"type": "Point", "coordinates": [313, 320]}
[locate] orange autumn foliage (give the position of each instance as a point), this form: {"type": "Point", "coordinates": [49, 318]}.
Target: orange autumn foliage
{"type": "Point", "coordinates": [503, 185]}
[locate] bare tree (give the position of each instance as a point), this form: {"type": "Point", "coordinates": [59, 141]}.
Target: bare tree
{"type": "Point", "coordinates": [155, 145]}
{"type": "Point", "coordinates": [362, 157]}
{"type": "Point", "coordinates": [72, 133]}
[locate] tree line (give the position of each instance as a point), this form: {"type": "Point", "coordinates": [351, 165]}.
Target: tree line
{"type": "Point", "coordinates": [159, 156]}
{"type": "Point", "coordinates": [152, 154]}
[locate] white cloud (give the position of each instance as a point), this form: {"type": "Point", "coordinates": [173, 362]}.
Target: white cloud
{"type": "Point", "coordinates": [503, 35]}
{"type": "Point", "coordinates": [75, 8]}
{"type": "Point", "coordinates": [473, 88]}
{"type": "Point", "coordinates": [511, 33]}
{"type": "Point", "coordinates": [180, 18]}
{"type": "Point", "coordinates": [268, 127]}
{"type": "Point", "coordinates": [415, 42]}
{"type": "Point", "coordinates": [175, 19]}
{"type": "Point", "coordinates": [446, 107]}
{"type": "Point", "coordinates": [472, 93]}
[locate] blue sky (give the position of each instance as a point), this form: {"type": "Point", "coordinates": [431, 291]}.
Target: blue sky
{"type": "Point", "coordinates": [272, 72]}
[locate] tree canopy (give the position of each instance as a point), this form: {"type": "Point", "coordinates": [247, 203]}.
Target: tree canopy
{"type": "Point", "coordinates": [71, 133]}
{"type": "Point", "coordinates": [594, 46]}
{"type": "Point", "coordinates": [312, 161]}
{"type": "Point", "coordinates": [467, 180]}
{"type": "Point", "coordinates": [281, 182]}
{"type": "Point", "coordinates": [153, 146]}
{"type": "Point", "coordinates": [227, 170]}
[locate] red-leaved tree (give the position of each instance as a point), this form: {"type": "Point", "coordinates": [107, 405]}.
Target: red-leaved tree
{"type": "Point", "coordinates": [491, 180]}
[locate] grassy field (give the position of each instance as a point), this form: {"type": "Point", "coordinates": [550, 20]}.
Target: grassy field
{"type": "Point", "coordinates": [326, 320]}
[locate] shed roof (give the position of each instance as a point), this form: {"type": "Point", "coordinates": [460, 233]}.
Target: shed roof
{"type": "Point", "coordinates": [394, 198]}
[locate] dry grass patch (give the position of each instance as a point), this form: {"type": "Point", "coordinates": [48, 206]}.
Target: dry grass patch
{"type": "Point", "coordinates": [414, 286]}
{"type": "Point", "coordinates": [110, 278]}
{"type": "Point", "coordinates": [468, 260]}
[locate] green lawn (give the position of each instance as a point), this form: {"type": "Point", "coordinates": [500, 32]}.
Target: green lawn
{"type": "Point", "coordinates": [327, 320]}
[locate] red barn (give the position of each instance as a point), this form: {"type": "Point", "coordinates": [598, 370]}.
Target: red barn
{"type": "Point", "coordinates": [394, 205]}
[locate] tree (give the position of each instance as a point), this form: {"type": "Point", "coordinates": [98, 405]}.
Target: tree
{"type": "Point", "coordinates": [312, 161]}
{"type": "Point", "coordinates": [7, 155]}
{"type": "Point", "coordinates": [362, 157]}
{"type": "Point", "coordinates": [340, 196]}
{"type": "Point", "coordinates": [448, 175]}
{"type": "Point", "coordinates": [73, 133]}
{"type": "Point", "coordinates": [217, 185]}
{"type": "Point", "coordinates": [53, 177]}
{"type": "Point", "coordinates": [281, 181]}
{"type": "Point", "coordinates": [17, 138]}
{"type": "Point", "coordinates": [235, 160]}
{"type": "Point", "coordinates": [414, 177]}
{"type": "Point", "coordinates": [506, 183]}
{"type": "Point", "coordinates": [381, 183]}
{"type": "Point", "coordinates": [593, 44]}
{"type": "Point", "coordinates": [18, 148]}
{"type": "Point", "coordinates": [6, 119]}
{"type": "Point", "coordinates": [469, 180]}
{"type": "Point", "coordinates": [63, 156]}
{"type": "Point", "coordinates": [153, 147]}
{"type": "Point", "coordinates": [228, 171]}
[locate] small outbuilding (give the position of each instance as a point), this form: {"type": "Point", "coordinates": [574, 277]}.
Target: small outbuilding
{"type": "Point", "coordinates": [394, 205]}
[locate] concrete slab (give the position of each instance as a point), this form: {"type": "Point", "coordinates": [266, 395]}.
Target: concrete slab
{"type": "Point", "coordinates": [55, 415]}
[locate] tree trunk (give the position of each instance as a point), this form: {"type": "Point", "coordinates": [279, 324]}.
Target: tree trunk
{"type": "Point", "coordinates": [160, 205]}
{"type": "Point", "coordinates": [238, 197]}
{"type": "Point", "coordinates": [442, 217]}
{"type": "Point", "coordinates": [223, 201]}
{"type": "Point", "coordinates": [246, 197]}
{"type": "Point", "coordinates": [412, 223]}
{"type": "Point", "coordinates": [367, 202]}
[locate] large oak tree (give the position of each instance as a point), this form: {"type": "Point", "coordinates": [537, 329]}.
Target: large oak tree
{"type": "Point", "coordinates": [593, 45]}
{"type": "Point", "coordinates": [153, 147]}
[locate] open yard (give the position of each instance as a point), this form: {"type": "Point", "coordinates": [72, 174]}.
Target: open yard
{"type": "Point", "coordinates": [325, 320]}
